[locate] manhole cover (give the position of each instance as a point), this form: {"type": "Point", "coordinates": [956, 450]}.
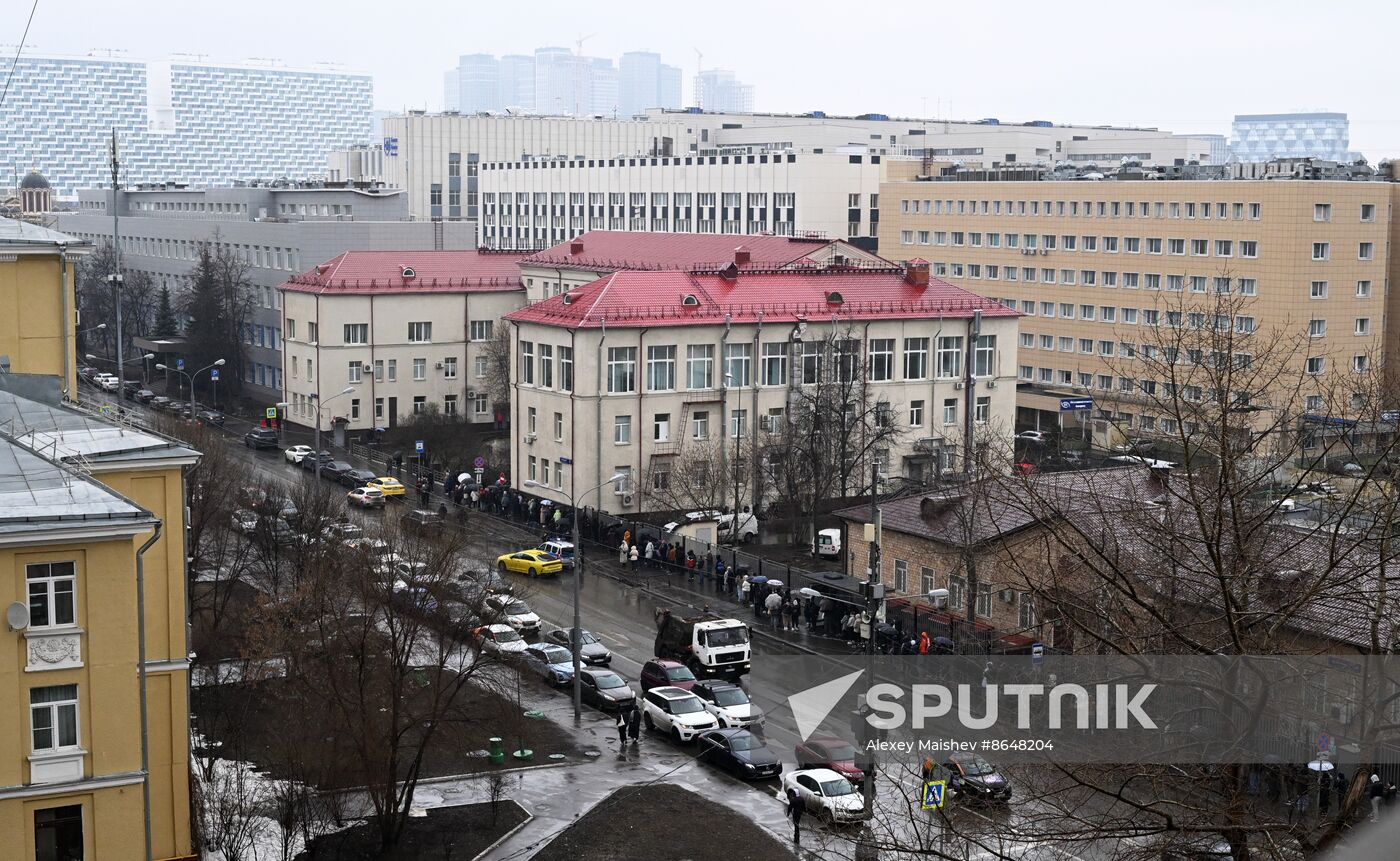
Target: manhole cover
{"type": "Point", "coordinates": [479, 753]}
{"type": "Point", "coordinates": [592, 753]}
{"type": "Point", "coordinates": [556, 756]}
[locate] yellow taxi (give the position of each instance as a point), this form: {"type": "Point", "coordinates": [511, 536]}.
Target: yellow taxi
{"type": "Point", "coordinates": [536, 563]}
{"type": "Point", "coordinates": [387, 486]}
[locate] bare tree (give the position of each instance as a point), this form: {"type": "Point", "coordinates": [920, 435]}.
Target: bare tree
{"type": "Point", "coordinates": [497, 352]}
{"type": "Point", "coordinates": [703, 475]}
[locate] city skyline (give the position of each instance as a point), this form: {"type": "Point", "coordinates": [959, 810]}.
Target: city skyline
{"type": "Point", "coordinates": [956, 81]}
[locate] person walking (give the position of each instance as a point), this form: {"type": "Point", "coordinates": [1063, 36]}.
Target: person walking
{"type": "Point", "coordinates": [744, 590]}
{"type": "Point", "coordinates": [1324, 794]}
{"type": "Point", "coordinates": [924, 643]}
{"type": "Point", "coordinates": [1376, 792]}
{"type": "Point", "coordinates": [633, 555]}
{"type": "Point", "coordinates": [634, 722]}
{"type": "Point", "coordinates": [621, 727]}
{"type": "Point", "coordinates": [772, 605]}
{"type": "Point", "coordinates": [796, 807]}
{"type": "Point", "coordinates": [651, 553]}
{"type": "Point", "coordinates": [622, 553]}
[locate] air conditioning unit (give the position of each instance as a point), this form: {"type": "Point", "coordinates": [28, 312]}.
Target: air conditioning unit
{"type": "Point", "coordinates": [367, 368]}
{"type": "Point", "coordinates": [438, 365]}
{"type": "Point", "coordinates": [1008, 596]}
{"type": "Point", "coordinates": [471, 394]}
{"type": "Point", "coordinates": [627, 500]}
{"type": "Point", "coordinates": [991, 384]}
{"type": "Point", "coordinates": [530, 438]}
{"type": "Point", "coordinates": [765, 423]}
{"type": "Point", "coordinates": [1044, 252]}
{"type": "Point", "coordinates": [959, 385]}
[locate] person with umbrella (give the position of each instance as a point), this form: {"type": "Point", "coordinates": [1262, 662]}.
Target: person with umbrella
{"type": "Point", "coordinates": [773, 605]}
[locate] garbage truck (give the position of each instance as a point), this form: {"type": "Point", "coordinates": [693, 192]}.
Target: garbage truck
{"type": "Point", "coordinates": [709, 645]}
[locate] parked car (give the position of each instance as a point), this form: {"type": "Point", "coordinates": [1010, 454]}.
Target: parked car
{"type": "Point", "coordinates": [553, 663]}
{"type": "Point", "coordinates": [676, 712]}
{"type": "Point", "coordinates": [826, 794]}
{"type": "Point", "coordinates": [356, 477]}
{"type": "Point", "coordinates": [130, 388]}
{"type": "Point", "coordinates": [591, 649]}
{"type": "Point", "coordinates": [262, 438]}
{"type": "Point", "coordinates": [740, 752]}
{"type": "Point", "coordinates": [106, 382]}
{"type": "Point", "coordinates": [245, 521]}
{"type": "Point", "coordinates": [178, 408]}
{"type": "Point", "coordinates": [341, 530]}
{"type": "Point", "coordinates": [500, 639]}
{"type": "Point", "coordinates": [308, 462]}
{"type": "Point", "coordinates": [1024, 467]}
{"type": "Point", "coordinates": [515, 612]}
{"type": "Point", "coordinates": [296, 453]}
{"type": "Point", "coordinates": [365, 497]}
{"type": "Point", "coordinates": [335, 469]}
{"type": "Point", "coordinates": [535, 563]}
{"type": "Point", "coordinates": [661, 672]}
{"type": "Point", "coordinates": [145, 396]}
{"type": "Point", "coordinates": [87, 372]}
{"type": "Point", "coordinates": [211, 417]}
{"type": "Point", "coordinates": [389, 486]}
{"type": "Point", "coordinates": [422, 521]}
{"type": "Point", "coordinates": [409, 594]}
{"type": "Point", "coordinates": [159, 403]}
{"type": "Point", "coordinates": [828, 752]}
{"type": "Point", "coordinates": [728, 702]}
{"type": "Point", "coordinates": [829, 543]}
{"type": "Point", "coordinates": [560, 548]}
{"type": "Point", "coordinates": [972, 777]}
{"type": "Point", "coordinates": [604, 689]}
{"type": "Point", "coordinates": [1037, 436]}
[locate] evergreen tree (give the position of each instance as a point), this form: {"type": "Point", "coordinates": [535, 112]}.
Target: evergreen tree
{"type": "Point", "coordinates": [219, 303]}
{"type": "Point", "coordinates": [165, 324]}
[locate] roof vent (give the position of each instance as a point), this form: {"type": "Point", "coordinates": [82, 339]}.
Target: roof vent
{"type": "Point", "coordinates": [690, 301]}
{"type": "Point", "coordinates": [730, 272]}
{"type": "Point", "coordinates": [576, 246]}
{"type": "Point", "coordinates": [834, 298]}
{"type": "Point", "coordinates": [320, 270]}
{"type": "Point", "coordinates": [742, 256]}
{"type": "Point", "coordinates": [409, 273]}
{"type": "Point", "coordinates": [916, 272]}
{"type": "Point", "coordinates": [567, 298]}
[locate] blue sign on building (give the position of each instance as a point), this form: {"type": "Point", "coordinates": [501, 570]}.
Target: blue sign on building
{"type": "Point", "coordinates": [391, 146]}
{"type": "Point", "coordinates": [1068, 405]}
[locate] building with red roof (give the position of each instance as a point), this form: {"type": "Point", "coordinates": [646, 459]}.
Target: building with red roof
{"type": "Point", "coordinates": [663, 375]}
{"type": "Point", "coordinates": [406, 331]}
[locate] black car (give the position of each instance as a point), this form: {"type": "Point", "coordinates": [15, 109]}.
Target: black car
{"type": "Point", "coordinates": [262, 438]}
{"type": "Point", "coordinates": [335, 469]}
{"type": "Point", "coordinates": [130, 388]}
{"type": "Point", "coordinates": [604, 689]}
{"type": "Point", "coordinates": [972, 778]}
{"type": "Point", "coordinates": [145, 396]}
{"type": "Point", "coordinates": [308, 463]}
{"type": "Point", "coordinates": [159, 402]}
{"type": "Point", "coordinates": [739, 751]}
{"type": "Point", "coordinates": [422, 521]}
{"type": "Point", "coordinates": [211, 417]}
{"type": "Point", "coordinates": [353, 478]}
{"type": "Point", "coordinates": [591, 649]}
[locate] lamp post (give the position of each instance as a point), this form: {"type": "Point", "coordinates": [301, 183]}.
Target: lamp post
{"type": "Point", "coordinates": [316, 442]}
{"type": "Point", "coordinates": [218, 363]}
{"type": "Point", "coordinates": [576, 636]}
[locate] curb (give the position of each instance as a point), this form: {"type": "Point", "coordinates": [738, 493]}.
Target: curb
{"type": "Point", "coordinates": [529, 817]}
{"type": "Point", "coordinates": [472, 775]}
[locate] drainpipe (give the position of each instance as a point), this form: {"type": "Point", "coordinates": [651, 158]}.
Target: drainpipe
{"type": "Point", "coordinates": [754, 370]}
{"type": "Point", "coordinates": [141, 676]}
{"type": "Point", "coordinates": [640, 427]}
{"type": "Point", "coordinates": [724, 404]}
{"type": "Point", "coordinates": [67, 314]}
{"type": "Point", "coordinates": [598, 411]}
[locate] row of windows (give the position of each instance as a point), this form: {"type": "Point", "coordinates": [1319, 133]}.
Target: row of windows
{"type": "Point", "coordinates": [418, 333]}
{"type": "Point", "coordinates": [262, 256]}
{"type": "Point", "coordinates": [596, 200]}
{"type": "Point", "coordinates": [1028, 242]}
{"type": "Point", "coordinates": [664, 161]}
{"type": "Point", "coordinates": [260, 374]}
{"type": "Point", "coordinates": [51, 589]}
{"type": "Point", "coordinates": [186, 206]}
{"type": "Point", "coordinates": [1220, 211]}
{"type": "Point", "coordinates": [956, 584]}
{"type": "Point", "coordinates": [1313, 365]}
{"type": "Point", "coordinates": [509, 236]}
{"type": "Point", "coordinates": [304, 406]}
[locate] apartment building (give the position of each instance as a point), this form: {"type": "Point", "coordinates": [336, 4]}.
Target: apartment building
{"type": "Point", "coordinates": [532, 204]}
{"type": "Point", "coordinates": [275, 229]}
{"type": "Point", "coordinates": [404, 330]}
{"type": "Point", "coordinates": [37, 307]}
{"type": "Point", "coordinates": [630, 372]}
{"type": "Point", "coordinates": [1095, 266]}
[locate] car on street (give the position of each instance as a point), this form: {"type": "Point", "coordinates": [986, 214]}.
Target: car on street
{"type": "Point", "coordinates": [563, 549]}
{"type": "Point", "coordinates": [87, 372]}
{"type": "Point", "coordinates": [356, 477]}
{"type": "Point", "coordinates": [728, 702]}
{"type": "Point", "coordinates": [676, 712]}
{"type": "Point", "coordinates": [296, 453]}
{"type": "Point", "coordinates": [591, 649]}
{"type": "Point", "coordinates": [403, 568]}
{"type": "Point", "coordinates": [1024, 467]}
{"type": "Point", "coordinates": [829, 543]}
{"type": "Point", "coordinates": [365, 497]}
{"type": "Point", "coordinates": [552, 663]}
{"type": "Point", "coordinates": [144, 396]}
{"type": "Point", "coordinates": [740, 752]}
{"type": "Point", "coordinates": [515, 612]}
{"type": "Point", "coordinates": [661, 672]}
{"type": "Point", "coordinates": [340, 530]}
{"type": "Point", "coordinates": [411, 595]}
{"type": "Point", "coordinates": [389, 486]}
{"type": "Point", "coordinates": [106, 382]}
{"type": "Point", "coordinates": [831, 753]}
{"type": "Point", "coordinates": [535, 563]}
{"type": "Point", "coordinates": [158, 403]}
{"type": "Point", "coordinates": [178, 408]}
{"type": "Point", "coordinates": [1140, 460]}
{"type": "Point", "coordinates": [604, 689]}
{"type": "Point", "coordinates": [1033, 436]}
{"type": "Point", "coordinates": [308, 462]}
{"type": "Point", "coordinates": [335, 469]}
{"type": "Point", "coordinates": [274, 506]}
{"type": "Point", "coordinates": [262, 438]}
{"type": "Point", "coordinates": [486, 581]}
{"type": "Point", "coordinates": [826, 794]}
{"type": "Point", "coordinates": [130, 388]}
{"type": "Point", "coordinates": [500, 639]}
{"type": "Point", "coordinates": [973, 778]}
{"type": "Point", "coordinates": [245, 521]}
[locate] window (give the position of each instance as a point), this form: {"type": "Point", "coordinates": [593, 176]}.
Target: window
{"type": "Point", "coordinates": [1359, 364]}
{"type": "Point", "coordinates": [1249, 248]}
{"type": "Point", "coordinates": [479, 366]}
{"type": "Point", "coordinates": [915, 358]}
{"type": "Point", "coordinates": [51, 594]}
{"type": "Point", "coordinates": [950, 411]}
{"type": "Point", "coordinates": [357, 333]}
{"type": "Point", "coordinates": [558, 427]}
{"type": "Point", "coordinates": [1322, 212]}
{"type": "Point", "coordinates": [661, 427]}
{"type": "Point", "coordinates": [420, 369]}
{"type": "Point", "coordinates": [393, 373]}
{"type": "Point", "coordinates": [622, 430]}
{"type": "Point", "coordinates": [881, 359]}
{"type": "Point", "coordinates": [737, 421]}
{"type": "Point", "coordinates": [661, 368]}
{"type": "Point", "coordinates": [1154, 246]}
{"type": "Point", "coordinates": [58, 833]}
{"type": "Point", "coordinates": [738, 365]}
{"type": "Point", "coordinates": [353, 372]}
{"type": "Point", "coordinates": [1315, 365]}
{"type": "Point", "coordinates": [984, 599]}
{"type": "Point", "coordinates": [527, 363]}
{"type": "Point", "coordinates": [1176, 246]}
{"type": "Point", "coordinates": [984, 357]}
{"type": "Point", "coordinates": [1199, 248]}
{"type": "Point", "coordinates": [53, 718]}
{"type": "Point", "coordinates": [311, 333]}
{"type": "Point", "coordinates": [901, 575]}
{"type": "Point", "coordinates": [1368, 212]}
{"type": "Point", "coordinates": [1363, 325]}
{"type": "Point", "coordinates": [420, 404]}
{"type": "Point", "coordinates": [811, 362]}
{"type": "Point", "coordinates": [1366, 251]}
{"type": "Point", "coordinates": [622, 370]}
{"type": "Point", "coordinates": [420, 333]}
{"type": "Point", "coordinates": [1224, 248]}
{"type": "Point", "coordinates": [481, 330]}
{"type": "Point", "coordinates": [700, 425]}
{"type": "Point", "coordinates": [957, 592]}
{"type": "Point", "coordinates": [775, 357]}
{"type": "Point", "coordinates": [566, 369]}
{"type": "Point", "coordinates": [982, 410]}
{"type": "Point", "coordinates": [1317, 328]}
{"type": "Point", "coordinates": [950, 357]}
{"type": "Point", "coordinates": [1026, 618]}
{"type": "Point", "coordinates": [1247, 286]}
{"type": "Point", "coordinates": [449, 367]}
{"type": "Point", "coordinates": [546, 365]}
{"type": "Point", "coordinates": [916, 414]}
{"type": "Point", "coordinates": [1363, 289]}
{"type": "Point", "coordinates": [1321, 251]}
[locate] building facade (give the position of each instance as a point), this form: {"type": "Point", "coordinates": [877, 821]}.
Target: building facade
{"type": "Point", "coordinates": [1264, 137]}
{"type": "Point", "coordinates": [634, 373]}
{"type": "Point", "coordinates": [1096, 267]}
{"type": "Point", "coordinates": [409, 332]}
{"type": "Point", "coordinates": [38, 309]}
{"type": "Point", "coordinates": [194, 122]}
{"type": "Point", "coordinates": [533, 204]}
{"type": "Point", "coordinates": [275, 230]}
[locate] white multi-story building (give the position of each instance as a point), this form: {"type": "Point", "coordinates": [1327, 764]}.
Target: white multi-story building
{"type": "Point", "coordinates": [405, 329]}
{"type": "Point", "coordinates": [718, 90]}
{"type": "Point", "coordinates": [628, 373]}
{"type": "Point", "coordinates": [1265, 137]}
{"type": "Point", "coordinates": [532, 204]}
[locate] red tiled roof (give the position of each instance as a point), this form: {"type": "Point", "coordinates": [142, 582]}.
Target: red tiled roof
{"type": "Point", "coordinates": [611, 250]}
{"type": "Point", "coordinates": [658, 299]}
{"type": "Point", "coordinates": [434, 272]}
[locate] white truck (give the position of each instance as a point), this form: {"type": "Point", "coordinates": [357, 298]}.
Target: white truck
{"type": "Point", "coordinates": [708, 645]}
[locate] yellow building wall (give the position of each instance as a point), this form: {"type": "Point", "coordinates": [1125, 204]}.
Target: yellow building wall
{"type": "Point", "coordinates": [112, 825]}
{"type": "Point", "coordinates": [32, 323]}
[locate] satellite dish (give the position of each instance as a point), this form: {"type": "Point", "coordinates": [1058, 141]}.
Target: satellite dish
{"type": "Point", "coordinates": [17, 616]}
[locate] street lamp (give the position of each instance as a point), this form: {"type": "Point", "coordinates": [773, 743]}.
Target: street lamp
{"type": "Point", "coordinates": [576, 637]}
{"type": "Point", "coordinates": [218, 363]}
{"type": "Point", "coordinates": [93, 329]}
{"type": "Point", "coordinates": [316, 444]}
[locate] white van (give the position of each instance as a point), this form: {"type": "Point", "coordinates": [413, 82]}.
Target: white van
{"type": "Point", "coordinates": [748, 528]}
{"type": "Point", "coordinates": [829, 543]}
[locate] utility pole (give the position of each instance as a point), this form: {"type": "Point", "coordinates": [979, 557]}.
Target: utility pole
{"type": "Point", "coordinates": [974, 328]}
{"type": "Point", "coordinates": [115, 277]}
{"type": "Point", "coordinates": [874, 594]}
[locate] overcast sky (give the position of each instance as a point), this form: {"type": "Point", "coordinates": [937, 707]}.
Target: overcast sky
{"type": "Point", "coordinates": [1183, 66]}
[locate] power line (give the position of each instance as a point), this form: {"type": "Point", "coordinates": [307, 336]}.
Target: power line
{"type": "Point", "coordinates": [18, 51]}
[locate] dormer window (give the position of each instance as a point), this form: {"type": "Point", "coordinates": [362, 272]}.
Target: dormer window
{"type": "Point", "coordinates": [408, 272]}
{"type": "Point", "coordinates": [834, 298]}
{"type": "Point", "coordinates": [690, 301]}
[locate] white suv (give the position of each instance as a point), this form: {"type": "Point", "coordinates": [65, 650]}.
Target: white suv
{"type": "Point", "coordinates": [677, 712]}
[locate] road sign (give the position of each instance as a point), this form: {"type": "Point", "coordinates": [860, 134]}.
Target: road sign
{"type": "Point", "coordinates": [1324, 743]}
{"type": "Point", "coordinates": [1037, 653]}
{"type": "Point", "coordinates": [567, 461]}
{"type": "Point", "coordinates": [270, 412]}
{"type": "Point", "coordinates": [214, 375]}
{"type": "Point", "coordinates": [180, 364]}
{"type": "Point", "coordinates": [1069, 405]}
{"type": "Point", "coordinates": [479, 463]}
{"type": "Point", "coordinates": [932, 796]}
{"type": "Point", "coordinates": [418, 446]}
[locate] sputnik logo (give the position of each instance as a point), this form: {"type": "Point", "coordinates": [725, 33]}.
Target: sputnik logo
{"type": "Point", "coordinates": [811, 707]}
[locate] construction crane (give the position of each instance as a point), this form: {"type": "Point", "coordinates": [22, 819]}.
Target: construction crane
{"type": "Point", "coordinates": [578, 43]}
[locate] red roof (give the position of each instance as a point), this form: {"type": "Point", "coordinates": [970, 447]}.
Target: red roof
{"type": "Point", "coordinates": [636, 299]}
{"type": "Point", "coordinates": [431, 272]}
{"type": "Point", "coordinates": [611, 250]}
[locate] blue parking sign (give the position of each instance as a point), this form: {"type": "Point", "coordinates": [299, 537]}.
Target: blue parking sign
{"type": "Point", "coordinates": [214, 375]}
{"type": "Point", "coordinates": [418, 446]}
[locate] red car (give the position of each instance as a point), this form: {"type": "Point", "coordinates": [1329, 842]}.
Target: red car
{"type": "Point", "coordinates": [660, 672]}
{"type": "Point", "coordinates": [1025, 468]}
{"type": "Point", "coordinates": [830, 752]}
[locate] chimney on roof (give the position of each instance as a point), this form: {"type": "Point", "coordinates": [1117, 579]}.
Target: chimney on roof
{"type": "Point", "coordinates": [576, 246]}
{"type": "Point", "coordinates": [742, 256]}
{"type": "Point", "coordinates": [916, 272]}
{"type": "Point", "coordinates": [730, 272]}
